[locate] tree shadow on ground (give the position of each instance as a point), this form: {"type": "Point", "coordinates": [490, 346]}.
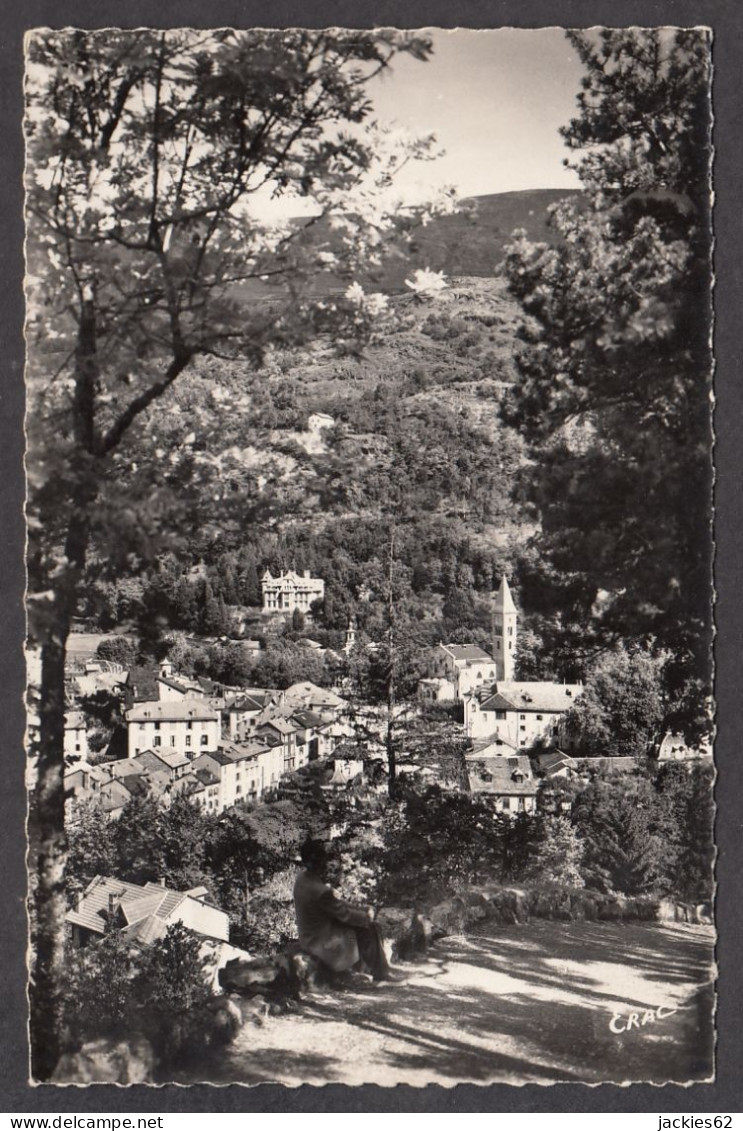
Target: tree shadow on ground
{"type": "Point", "coordinates": [501, 1011]}
{"type": "Point", "coordinates": [517, 1004]}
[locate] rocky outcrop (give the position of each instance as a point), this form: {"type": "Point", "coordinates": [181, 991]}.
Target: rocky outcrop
{"type": "Point", "coordinates": [279, 976]}
{"type": "Point", "coordinates": [672, 911]}
{"type": "Point", "coordinates": [451, 916]}
{"type": "Point", "coordinates": [108, 1061]}
{"type": "Point", "coordinates": [512, 905]}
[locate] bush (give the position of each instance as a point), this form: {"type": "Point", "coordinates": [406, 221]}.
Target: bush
{"type": "Point", "coordinates": [171, 975]}
{"type": "Point", "coordinates": [97, 997]}
{"type": "Point", "coordinates": [118, 650]}
{"type": "Point", "coordinates": [270, 921]}
{"type": "Point", "coordinates": [112, 989]}
{"type": "Point", "coordinates": [438, 843]}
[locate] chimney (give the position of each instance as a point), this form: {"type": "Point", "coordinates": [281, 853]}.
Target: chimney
{"type": "Point", "coordinates": [111, 906]}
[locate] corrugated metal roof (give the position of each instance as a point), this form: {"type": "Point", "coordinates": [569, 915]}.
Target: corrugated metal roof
{"type": "Point", "coordinates": [94, 903]}
{"type": "Point", "coordinates": [146, 930]}
{"type": "Point", "coordinates": [137, 903]}
{"type": "Point", "coordinates": [169, 899]}
{"type": "Point", "coordinates": [138, 908]}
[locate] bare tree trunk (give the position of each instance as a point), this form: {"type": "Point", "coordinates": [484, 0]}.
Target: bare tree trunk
{"type": "Point", "coordinates": [391, 760]}
{"type": "Point", "coordinates": [47, 839]}
{"type": "Point", "coordinates": [47, 853]}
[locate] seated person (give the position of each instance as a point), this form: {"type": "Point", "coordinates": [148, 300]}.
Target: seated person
{"type": "Point", "coordinates": [334, 932]}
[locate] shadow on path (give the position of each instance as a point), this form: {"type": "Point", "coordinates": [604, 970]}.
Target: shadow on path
{"type": "Point", "coordinates": [531, 1003]}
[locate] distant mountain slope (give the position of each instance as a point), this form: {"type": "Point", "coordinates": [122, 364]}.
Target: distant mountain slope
{"type": "Point", "coordinates": [471, 242]}
{"type": "Point", "coordinates": [468, 243]}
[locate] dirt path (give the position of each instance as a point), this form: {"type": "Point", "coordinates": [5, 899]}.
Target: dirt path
{"type": "Point", "coordinates": [535, 1003]}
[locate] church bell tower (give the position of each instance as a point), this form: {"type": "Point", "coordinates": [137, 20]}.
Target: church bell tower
{"type": "Point", "coordinates": [505, 627]}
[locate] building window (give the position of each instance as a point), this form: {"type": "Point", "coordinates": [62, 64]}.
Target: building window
{"type": "Point", "coordinates": [506, 803]}
{"type": "Point", "coordinates": [239, 789]}
{"type": "Point", "coordinates": [172, 740]}
{"type": "Point", "coordinates": [188, 740]}
{"type": "Point", "coordinates": [510, 631]}
{"type": "Point", "coordinates": [539, 717]}
{"type": "Point", "coordinates": [157, 740]}
{"type": "Point", "coordinates": [157, 726]}
{"type": "Point", "coordinates": [205, 740]}
{"type": "Point", "coordinates": [500, 714]}
{"type": "Point", "coordinates": [522, 727]}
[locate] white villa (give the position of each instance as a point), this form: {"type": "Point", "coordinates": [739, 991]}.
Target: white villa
{"type": "Point", "coordinates": [290, 591]}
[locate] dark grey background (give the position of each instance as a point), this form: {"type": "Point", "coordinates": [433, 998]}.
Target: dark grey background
{"type": "Point", "coordinates": [726, 20]}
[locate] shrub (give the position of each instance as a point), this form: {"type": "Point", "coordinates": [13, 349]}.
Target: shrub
{"type": "Point", "coordinates": [97, 998]}
{"type": "Point", "coordinates": [118, 650]}
{"type": "Point", "coordinates": [114, 989]}
{"type": "Point", "coordinates": [270, 921]}
{"type": "Point", "coordinates": [171, 975]}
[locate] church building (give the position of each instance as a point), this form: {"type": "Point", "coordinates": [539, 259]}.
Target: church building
{"type": "Point", "coordinates": [505, 625]}
{"type": "Point", "coordinates": [518, 714]}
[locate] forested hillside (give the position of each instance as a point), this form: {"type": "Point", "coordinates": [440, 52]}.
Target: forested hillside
{"type": "Point", "coordinates": [313, 457]}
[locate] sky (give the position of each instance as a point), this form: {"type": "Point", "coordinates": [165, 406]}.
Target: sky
{"type": "Point", "coordinates": [495, 101]}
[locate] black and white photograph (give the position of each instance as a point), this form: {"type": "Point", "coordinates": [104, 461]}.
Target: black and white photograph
{"type": "Point", "coordinates": [369, 502]}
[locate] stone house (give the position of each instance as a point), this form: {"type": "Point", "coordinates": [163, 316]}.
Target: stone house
{"type": "Point", "coordinates": [187, 727]}
{"type": "Point", "coordinates": [75, 734]}
{"type": "Point", "coordinates": [524, 713]}
{"type": "Point", "coordinates": [143, 912]}
{"type": "Point", "coordinates": [508, 780]}
{"type": "Point", "coordinates": [465, 666]}
{"type": "Point", "coordinates": [242, 712]}
{"type": "Point", "coordinates": [436, 689]}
